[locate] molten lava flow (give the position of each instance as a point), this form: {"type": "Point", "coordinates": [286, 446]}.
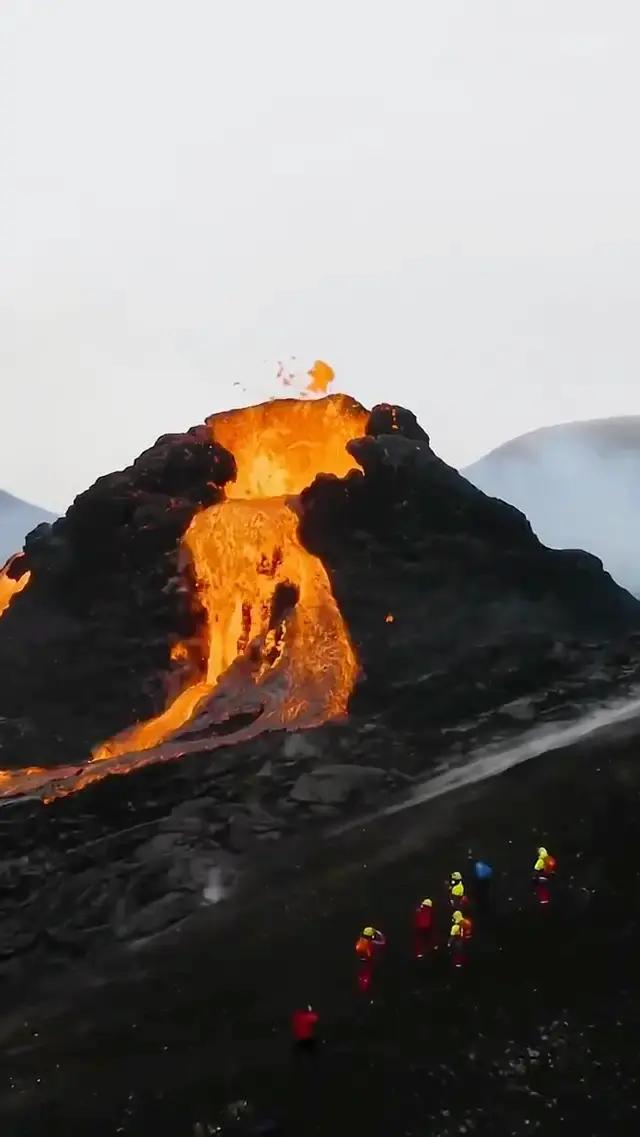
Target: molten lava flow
{"type": "Point", "coordinates": [297, 666]}
{"type": "Point", "coordinates": [10, 587]}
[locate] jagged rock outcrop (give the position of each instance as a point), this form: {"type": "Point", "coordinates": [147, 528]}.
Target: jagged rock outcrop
{"type": "Point", "coordinates": [17, 518]}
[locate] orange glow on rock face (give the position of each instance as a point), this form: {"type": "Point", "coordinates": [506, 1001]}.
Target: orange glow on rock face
{"type": "Point", "coordinates": [10, 587]}
{"type": "Point", "coordinates": [179, 652]}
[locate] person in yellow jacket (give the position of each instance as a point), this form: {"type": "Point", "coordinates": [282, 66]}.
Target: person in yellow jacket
{"type": "Point", "coordinates": [457, 894]}
{"type": "Point", "coordinates": [461, 930]}
{"type": "Point", "coordinates": [368, 940]}
{"type": "Point", "coordinates": [368, 944]}
{"type": "Point", "coordinates": [543, 870]}
{"type": "Point", "coordinates": [545, 863]}
{"type": "Point", "coordinates": [463, 924]}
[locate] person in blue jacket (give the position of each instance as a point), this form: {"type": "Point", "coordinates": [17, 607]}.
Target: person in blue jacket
{"type": "Point", "coordinates": [482, 875]}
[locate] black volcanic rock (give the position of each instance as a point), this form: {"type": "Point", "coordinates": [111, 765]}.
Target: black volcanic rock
{"type": "Point", "coordinates": [463, 576]}
{"type": "Point", "coordinates": [388, 419]}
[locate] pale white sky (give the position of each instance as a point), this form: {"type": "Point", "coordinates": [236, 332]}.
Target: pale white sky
{"type": "Point", "coordinates": [439, 197]}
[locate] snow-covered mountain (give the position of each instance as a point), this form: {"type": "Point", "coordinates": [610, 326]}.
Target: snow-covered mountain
{"type": "Point", "coordinates": [579, 485]}
{"type": "Point", "coordinates": [17, 518]}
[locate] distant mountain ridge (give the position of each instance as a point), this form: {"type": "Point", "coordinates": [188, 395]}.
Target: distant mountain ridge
{"type": "Point", "coordinates": [607, 435]}
{"type": "Point", "coordinates": [17, 518]}
{"type": "Point", "coordinates": [579, 485]}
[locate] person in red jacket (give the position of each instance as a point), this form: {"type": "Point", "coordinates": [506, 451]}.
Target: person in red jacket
{"type": "Point", "coordinates": [459, 936]}
{"type": "Point", "coordinates": [423, 929]}
{"type": "Point", "coordinates": [303, 1029]}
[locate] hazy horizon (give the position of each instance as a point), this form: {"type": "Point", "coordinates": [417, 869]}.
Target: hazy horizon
{"type": "Point", "coordinates": [442, 203]}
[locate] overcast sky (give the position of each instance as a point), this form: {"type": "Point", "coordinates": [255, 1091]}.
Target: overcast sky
{"type": "Point", "coordinates": [439, 197]}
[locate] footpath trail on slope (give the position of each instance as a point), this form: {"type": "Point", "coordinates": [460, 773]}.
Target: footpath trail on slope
{"type": "Point", "coordinates": [538, 1035]}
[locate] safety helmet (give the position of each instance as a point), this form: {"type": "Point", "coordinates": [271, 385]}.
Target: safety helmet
{"type": "Point", "coordinates": [427, 903]}
{"type": "Point", "coordinates": [456, 876]}
{"type": "Point", "coordinates": [369, 933]}
{"type": "Point", "coordinates": [457, 917]}
{"type": "Point", "coordinates": [542, 852]}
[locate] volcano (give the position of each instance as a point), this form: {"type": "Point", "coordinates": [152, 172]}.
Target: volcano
{"type": "Point", "coordinates": [289, 609]}
{"type": "Point", "coordinates": [236, 578]}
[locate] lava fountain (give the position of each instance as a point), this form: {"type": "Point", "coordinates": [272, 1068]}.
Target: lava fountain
{"type": "Point", "coordinates": [274, 650]}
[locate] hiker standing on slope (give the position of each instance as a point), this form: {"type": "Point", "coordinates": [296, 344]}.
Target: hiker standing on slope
{"type": "Point", "coordinates": [368, 946]}
{"type": "Point", "coordinates": [423, 929]}
{"type": "Point", "coordinates": [459, 936]}
{"type": "Point", "coordinates": [482, 874]}
{"type": "Point", "coordinates": [457, 896]}
{"type": "Point", "coordinates": [543, 871]}
{"type": "Point", "coordinates": [303, 1028]}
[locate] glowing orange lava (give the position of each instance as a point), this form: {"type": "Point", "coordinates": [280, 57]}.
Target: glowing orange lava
{"type": "Point", "coordinates": [10, 587]}
{"type": "Point", "coordinates": [280, 446]}
{"type": "Point", "coordinates": [246, 546]}
{"type": "Point", "coordinates": [275, 644]}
